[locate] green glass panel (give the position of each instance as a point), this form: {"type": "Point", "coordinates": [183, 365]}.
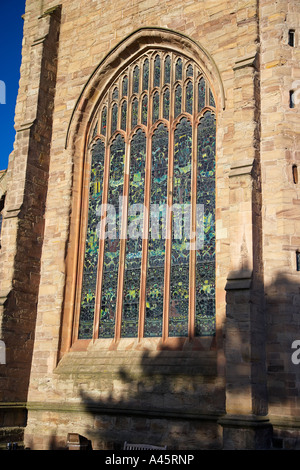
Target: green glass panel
{"type": "Point", "coordinates": [189, 71]}
{"type": "Point", "coordinates": [167, 70]}
{"type": "Point", "coordinates": [112, 240]}
{"type": "Point", "coordinates": [123, 115]}
{"type": "Point", "coordinates": [114, 118]}
{"type": "Point", "coordinates": [134, 113]}
{"type": "Point", "coordinates": [205, 257]}
{"type": "Point", "coordinates": [132, 275]}
{"type": "Point", "coordinates": [155, 107]}
{"type": "Point", "coordinates": [178, 100]}
{"type": "Point", "coordinates": [89, 280]}
{"type": "Point", "coordinates": [166, 104]}
{"type": "Point", "coordinates": [136, 78]}
{"type": "Point", "coordinates": [145, 110]}
{"type": "Point", "coordinates": [201, 94]}
{"type": "Point", "coordinates": [156, 249]}
{"type": "Point", "coordinates": [178, 70]}
{"type": "Point", "coordinates": [103, 121]}
{"type": "Point", "coordinates": [125, 86]}
{"type": "Point", "coordinates": [180, 256]}
{"type": "Point", "coordinates": [157, 71]}
{"type": "Point", "coordinates": [189, 98]}
{"type": "Point", "coordinates": [146, 75]}
{"type": "Point", "coordinates": [115, 94]}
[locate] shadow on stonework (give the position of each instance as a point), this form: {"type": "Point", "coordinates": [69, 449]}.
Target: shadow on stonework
{"type": "Point", "coordinates": [168, 398]}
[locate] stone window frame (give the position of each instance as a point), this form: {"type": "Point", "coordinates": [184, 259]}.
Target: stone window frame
{"type": "Point", "coordinates": [77, 142]}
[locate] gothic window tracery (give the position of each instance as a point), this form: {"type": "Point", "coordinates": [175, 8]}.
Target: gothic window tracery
{"type": "Point", "coordinates": [152, 148]}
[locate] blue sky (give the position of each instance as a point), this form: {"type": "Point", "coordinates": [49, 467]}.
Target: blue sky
{"type": "Point", "coordinates": [11, 32]}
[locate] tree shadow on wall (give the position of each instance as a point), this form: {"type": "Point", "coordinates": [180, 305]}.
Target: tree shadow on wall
{"type": "Point", "coordinates": [166, 397]}
{"type": "Point", "coordinates": [175, 398]}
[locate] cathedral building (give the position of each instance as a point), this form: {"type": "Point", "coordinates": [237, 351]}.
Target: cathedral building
{"type": "Point", "coordinates": [150, 229]}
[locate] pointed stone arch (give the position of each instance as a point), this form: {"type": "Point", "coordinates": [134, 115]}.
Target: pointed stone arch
{"type": "Point", "coordinates": [121, 56]}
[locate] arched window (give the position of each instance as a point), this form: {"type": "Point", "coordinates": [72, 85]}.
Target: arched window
{"type": "Point", "coordinates": [148, 264]}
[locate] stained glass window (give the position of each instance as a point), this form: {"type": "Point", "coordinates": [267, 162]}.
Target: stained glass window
{"type": "Point", "coordinates": [140, 276]}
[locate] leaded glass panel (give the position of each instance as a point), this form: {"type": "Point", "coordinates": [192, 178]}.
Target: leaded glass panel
{"type": "Point", "coordinates": [146, 74]}
{"type": "Point", "coordinates": [125, 86]}
{"type": "Point", "coordinates": [167, 69]}
{"type": "Point", "coordinates": [179, 279]}
{"type": "Point", "coordinates": [178, 100]}
{"type": "Point", "coordinates": [166, 103]}
{"type": "Point", "coordinates": [201, 94]}
{"type": "Point", "coordinates": [123, 115]}
{"type": "Point", "coordinates": [157, 71]}
{"type": "Point", "coordinates": [156, 251]}
{"type": "Point", "coordinates": [189, 102]}
{"type": "Point", "coordinates": [178, 73]}
{"type": "Point", "coordinates": [205, 258]}
{"type": "Point", "coordinates": [89, 279]}
{"type": "Point", "coordinates": [115, 94]}
{"type": "Point", "coordinates": [103, 121]}
{"type": "Point", "coordinates": [134, 112]}
{"type": "Point", "coordinates": [155, 107]}
{"type": "Point", "coordinates": [114, 118]}
{"type": "Point", "coordinates": [190, 71]}
{"type": "Point", "coordinates": [145, 110]}
{"type": "Point", "coordinates": [112, 240]}
{"type": "Point", "coordinates": [136, 78]}
{"type": "Point", "coordinates": [132, 276]}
